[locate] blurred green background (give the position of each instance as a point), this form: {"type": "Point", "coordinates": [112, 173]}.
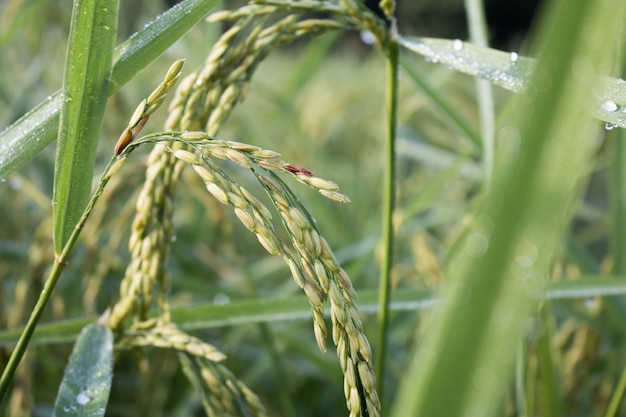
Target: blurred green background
{"type": "Point", "coordinates": [320, 103]}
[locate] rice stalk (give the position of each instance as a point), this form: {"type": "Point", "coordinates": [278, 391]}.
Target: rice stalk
{"type": "Point", "coordinates": [168, 336]}
{"type": "Point", "coordinates": [310, 258]}
{"type": "Point", "coordinates": [202, 103]}
{"type": "Point", "coordinates": [223, 395]}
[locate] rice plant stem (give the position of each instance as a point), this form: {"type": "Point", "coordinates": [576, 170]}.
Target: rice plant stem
{"type": "Point", "coordinates": [619, 203]}
{"type": "Point", "coordinates": [388, 208]}
{"type": "Point", "coordinates": [55, 273]}
{"type": "Point", "coordinates": [520, 381]}
{"type": "Point", "coordinates": [619, 241]}
{"type": "Point", "coordinates": [617, 396]}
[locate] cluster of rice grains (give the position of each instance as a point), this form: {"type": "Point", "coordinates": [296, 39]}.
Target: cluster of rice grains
{"type": "Point", "coordinates": [201, 104]}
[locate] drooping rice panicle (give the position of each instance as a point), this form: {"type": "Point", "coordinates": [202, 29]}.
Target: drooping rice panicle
{"type": "Point", "coordinates": [204, 101]}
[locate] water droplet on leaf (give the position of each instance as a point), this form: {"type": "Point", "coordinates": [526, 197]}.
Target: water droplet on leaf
{"type": "Point", "coordinates": [82, 398]}
{"type": "Point", "coordinates": [367, 37]}
{"type": "Point", "coordinates": [609, 106]}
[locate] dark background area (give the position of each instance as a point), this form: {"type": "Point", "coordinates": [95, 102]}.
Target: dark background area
{"type": "Point", "coordinates": [508, 21]}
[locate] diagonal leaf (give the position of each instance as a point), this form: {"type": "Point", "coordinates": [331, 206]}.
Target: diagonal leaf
{"type": "Point", "coordinates": [87, 380]}
{"type": "Point", "coordinates": [209, 315]}
{"type": "Point", "coordinates": [513, 72]}
{"type": "Point", "coordinates": [37, 129]}
{"type": "Point", "coordinates": [85, 90]}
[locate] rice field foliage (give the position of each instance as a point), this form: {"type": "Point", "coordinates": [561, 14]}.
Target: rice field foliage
{"type": "Point", "coordinates": [287, 178]}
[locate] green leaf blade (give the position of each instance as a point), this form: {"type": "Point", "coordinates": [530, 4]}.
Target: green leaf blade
{"type": "Point", "coordinates": [512, 72]}
{"type": "Point", "coordinates": [275, 310]}
{"type": "Point", "coordinates": [86, 88]}
{"type": "Point", "coordinates": [87, 380]}
{"type": "Point", "coordinates": [507, 70]}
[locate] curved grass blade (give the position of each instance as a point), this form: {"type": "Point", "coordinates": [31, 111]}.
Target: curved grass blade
{"type": "Point", "coordinates": [209, 315]}
{"type": "Point", "coordinates": [87, 380]}
{"type": "Point", "coordinates": [513, 72]}
{"type": "Point", "coordinates": [507, 70]}
{"type": "Point", "coordinates": [34, 131]}
{"type": "Point", "coordinates": [85, 90]}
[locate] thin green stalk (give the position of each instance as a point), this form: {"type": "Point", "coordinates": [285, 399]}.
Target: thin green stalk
{"type": "Point", "coordinates": [478, 35]}
{"type": "Point", "coordinates": [551, 404]}
{"type": "Point", "coordinates": [520, 382]}
{"type": "Point", "coordinates": [618, 249]}
{"type": "Point", "coordinates": [617, 396]}
{"type": "Point", "coordinates": [59, 263]}
{"type": "Point", "coordinates": [388, 208]}
{"type": "Point", "coordinates": [619, 202]}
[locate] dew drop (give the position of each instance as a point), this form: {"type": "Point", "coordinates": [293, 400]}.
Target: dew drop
{"type": "Point", "coordinates": [221, 299]}
{"type": "Point", "coordinates": [514, 57]}
{"type": "Point", "coordinates": [15, 183]}
{"type": "Point", "coordinates": [367, 37]}
{"type": "Point", "coordinates": [457, 44]}
{"type": "Point", "coordinates": [609, 126]}
{"type": "Point", "coordinates": [609, 106]}
{"type": "Point", "coordinates": [82, 398]}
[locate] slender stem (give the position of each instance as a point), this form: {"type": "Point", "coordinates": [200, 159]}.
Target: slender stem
{"type": "Point", "coordinates": [618, 248]}
{"type": "Point", "coordinates": [618, 244]}
{"type": "Point", "coordinates": [520, 381]}
{"type": "Point", "coordinates": [617, 396]}
{"type": "Point", "coordinates": [388, 208]}
{"type": "Point", "coordinates": [478, 34]}
{"type": "Point", "coordinates": [55, 273]}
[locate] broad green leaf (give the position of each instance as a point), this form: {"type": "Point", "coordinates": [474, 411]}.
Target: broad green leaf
{"type": "Point", "coordinates": [209, 315]}
{"type": "Point", "coordinates": [513, 72]}
{"type": "Point", "coordinates": [87, 380]}
{"type": "Point", "coordinates": [38, 128]}
{"type": "Point", "coordinates": [507, 70]}
{"type": "Point", "coordinates": [464, 365]}
{"type": "Point", "coordinates": [85, 92]}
